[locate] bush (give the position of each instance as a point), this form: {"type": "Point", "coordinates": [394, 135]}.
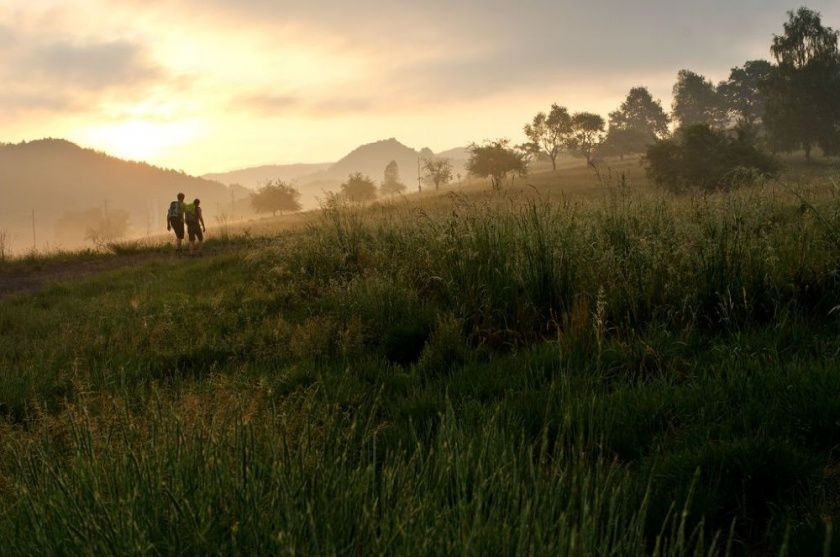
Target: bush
{"type": "Point", "coordinates": [708, 159]}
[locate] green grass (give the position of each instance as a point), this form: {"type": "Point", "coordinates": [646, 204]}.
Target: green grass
{"type": "Point", "coordinates": [624, 373]}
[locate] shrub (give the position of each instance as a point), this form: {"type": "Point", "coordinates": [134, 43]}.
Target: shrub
{"type": "Point", "coordinates": [708, 159]}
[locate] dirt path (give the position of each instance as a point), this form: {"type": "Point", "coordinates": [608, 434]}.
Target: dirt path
{"type": "Point", "coordinates": [30, 277]}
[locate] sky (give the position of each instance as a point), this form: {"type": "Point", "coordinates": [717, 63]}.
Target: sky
{"type": "Point", "coordinates": [215, 85]}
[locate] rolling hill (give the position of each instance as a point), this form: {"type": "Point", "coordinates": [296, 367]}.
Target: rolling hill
{"type": "Point", "coordinates": [57, 178]}
{"type": "Point", "coordinates": [258, 175]}
{"type": "Point", "coordinates": [315, 180]}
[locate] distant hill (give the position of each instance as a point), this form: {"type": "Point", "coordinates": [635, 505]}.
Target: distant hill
{"type": "Point", "coordinates": [257, 176]}
{"type": "Point", "coordinates": [315, 180]}
{"type": "Point", "coordinates": [56, 178]}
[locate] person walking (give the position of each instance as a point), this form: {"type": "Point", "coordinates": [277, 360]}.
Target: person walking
{"type": "Point", "coordinates": [195, 225]}
{"type": "Point", "coordinates": [175, 220]}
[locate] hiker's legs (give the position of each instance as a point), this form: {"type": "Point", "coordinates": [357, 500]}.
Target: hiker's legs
{"type": "Point", "coordinates": [178, 228]}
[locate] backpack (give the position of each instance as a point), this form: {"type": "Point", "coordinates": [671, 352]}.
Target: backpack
{"type": "Point", "coordinates": [190, 213]}
{"type": "Point", "coordinates": [174, 210]}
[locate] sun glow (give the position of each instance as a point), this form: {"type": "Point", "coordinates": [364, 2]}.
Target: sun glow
{"type": "Point", "coordinates": [140, 140]}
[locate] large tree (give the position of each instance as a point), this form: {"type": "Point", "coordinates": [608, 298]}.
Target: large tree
{"type": "Point", "coordinates": [437, 171]}
{"type": "Point", "coordinates": [637, 123]}
{"type": "Point", "coordinates": [587, 133]}
{"type": "Point", "coordinates": [495, 160]}
{"type": "Point", "coordinates": [276, 196]}
{"type": "Point", "coordinates": [702, 157]}
{"type": "Point", "coordinates": [391, 184]}
{"type": "Point", "coordinates": [696, 101]}
{"type": "Point", "coordinates": [744, 94]}
{"type": "Point", "coordinates": [803, 104]}
{"type": "Point", "coordinates": [358, 188]}
{"type": "Point", "coordinates": [550, 133]}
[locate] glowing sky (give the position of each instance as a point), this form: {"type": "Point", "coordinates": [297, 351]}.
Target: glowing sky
{"type": "Point", "coordinates": [211, 85]}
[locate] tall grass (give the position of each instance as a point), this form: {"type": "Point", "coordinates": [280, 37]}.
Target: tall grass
{"type": "Point", "coordinates": [626, 375]}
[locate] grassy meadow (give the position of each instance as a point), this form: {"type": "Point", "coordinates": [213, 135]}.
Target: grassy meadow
{"type": "Point", "coordinates": [573, 366]}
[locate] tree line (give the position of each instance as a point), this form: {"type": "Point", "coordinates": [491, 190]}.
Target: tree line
{"type": "Point", "coordinates": [788, 104]}
{"type": "Point", "coordinates": [714, 135]}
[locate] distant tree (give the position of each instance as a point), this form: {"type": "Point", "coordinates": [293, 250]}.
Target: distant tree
{"type": "Point", "coordinates": [550, 134]}
{"type": "Point", "coordinates": [530, 151]}
{"type": "Point", "coordinates": [391, 184]}
{"type": "Point", "coordinates": [803, 104]}
{"type": "Point", "coordinates": [587, 133]}
{"type": "Point", "coordinates": [636, 124]}
{"type": "Point", "coordinates": [744, 95]}
{"type": "Point", "coordinates": [107, 226]}
{"type": "Point", "coordinates": [437, 171]}
{"type": "Point", "coordinates": [495, 160]}
{"type": "Point", "coordinates": [696, 101]}
{"type": "Point", "coordinates": [702, 157]}
{"type": "Point", "coordinates": [358, 188]}
{"type": "Point", "coordinates": [97, 225]}
{"type": "Point", "coordinates": [276, 196]}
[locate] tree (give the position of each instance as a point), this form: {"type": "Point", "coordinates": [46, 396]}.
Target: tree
{"type": "Point", "coordinates": [391, 184]}
{"type": "Point", "coordinates": [276, 196]}
{"type": "Point", "coordinates": [587, 133]}
{"type": "Point", "coordinates": [495, 160]}
{"type": "Point", "coordinates": [696, 101]}
{"type": "Point", "coordinates": [97, 225]}
{"type": "Point", "coordinates": [803, 104]}
{"type": "Point", "coordinates": [550, 134]}
{"type": "Point", "coordinates": [700, 156]}
{"type": "Point", "coordinates": [636, 124]}
{"type": "Point", "coordinates": [358, 188]}
{"type": "Point", "coordinates": [437, 171]}
{"type": "Point", "coordinates": [743, 95]}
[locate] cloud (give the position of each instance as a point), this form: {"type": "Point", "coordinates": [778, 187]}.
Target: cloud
{"type": "Point", "coordinates": [25, 102]}
{"type": "Point", "coordinates": [268, 104]}
{"type": "Point", "coordinates": [64, 74]}
{"type": "Point", "coordinates": [273, 105]}
{"type": "Point", "coordinates": [90, 65]}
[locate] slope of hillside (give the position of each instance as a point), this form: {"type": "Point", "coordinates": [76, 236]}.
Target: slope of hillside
{"type": "Point", "coordinates": [58, 178]}
{"type": "Point", "coordinates": [257, 176]}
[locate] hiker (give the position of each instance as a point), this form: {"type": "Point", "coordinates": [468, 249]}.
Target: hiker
{"type": "Point", "coordinates": [175, 220]}
{"type": "Point", "coordinates": [195, 224]}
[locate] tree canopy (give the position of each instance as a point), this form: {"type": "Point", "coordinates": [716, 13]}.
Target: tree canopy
{"type": "Point", "coordinates": [358, 188]}
{"type": "Point", "coordinates": [639, 121]}
{"type": "Point", "coordinates": [391, 184]}
{"type": "Point", "coordinates": [276, 196]}
{"type": "Point", "coordinates": [700, 156]}
{"type": "Point", "coordinates": [803, 103]}
{"type": "Point", "coordinates": [743, 95]}
{"type": "Point", "coordinates": [437, 171]}
{"type": "Point", "coordinates": [696, 101]}
{"type": "Point", "coordinates": [549, 134]}
{"type": "Point", "coordinates": [587, 133]}
{"type": "Point", "coordinates": [495, 160]}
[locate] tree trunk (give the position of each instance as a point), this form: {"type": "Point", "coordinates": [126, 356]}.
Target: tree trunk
{"type": "Point", "coordinates": [808, 152]}
{"type": "Point", "coordinates": [554, 163]}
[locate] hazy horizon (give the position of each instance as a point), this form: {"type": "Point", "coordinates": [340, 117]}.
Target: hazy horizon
{"type": "Point", "coordinates": [210, 87]}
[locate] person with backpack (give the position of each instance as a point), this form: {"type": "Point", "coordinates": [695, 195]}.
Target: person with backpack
{"type": "Point", "coordinates": [175, 220]}
{"type": "Point", "coordinates": [195, 224]}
